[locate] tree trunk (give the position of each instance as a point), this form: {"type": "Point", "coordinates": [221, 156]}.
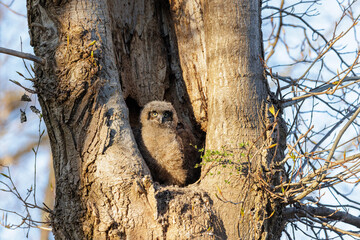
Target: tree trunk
{"type": "Point", "coordinates": [107, 59]}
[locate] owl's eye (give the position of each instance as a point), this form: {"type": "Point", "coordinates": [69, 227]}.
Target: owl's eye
{"type": "Point", "coordinates": [168, 114]}
{"type": "Point", "coordinates": [154, 114]}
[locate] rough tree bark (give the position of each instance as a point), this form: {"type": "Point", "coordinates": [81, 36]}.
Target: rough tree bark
{"type": "Point", "coordinates": [107, 59]}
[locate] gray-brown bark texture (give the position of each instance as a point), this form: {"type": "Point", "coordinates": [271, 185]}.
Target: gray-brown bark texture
{"type": "Point", "coordinates": [107, 59]}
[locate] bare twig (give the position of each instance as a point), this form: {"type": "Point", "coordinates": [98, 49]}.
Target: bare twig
{"type": "Point", "coordinates": [323, 212]}
{"type": "Point", "coordinates": [312, 29]}
{"type": "Point", "coordinates": [25, 88]}
{"type": "Point", "coordinates": [319, 179]}
{"type": "Point", "coordinates": [326, 136]}
{"type": "Point", "coordinates": [8, 7]}
{"type": "Point", "coordinates": [323, 89]}
{"type": "Point", "coordinates": [27, 56]}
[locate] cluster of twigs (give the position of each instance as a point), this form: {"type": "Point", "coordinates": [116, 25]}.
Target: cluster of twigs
{"type": "Point", "coordinates": [8, 185]}
{"type": "Point", "coordinates": [318, 160]}
{"type": "Point", "coordinates": [28, 202]}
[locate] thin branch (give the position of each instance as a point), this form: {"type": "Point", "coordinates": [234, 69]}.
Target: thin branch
{"type": "Point", "coordinates": [25, 88]}
{"type": "Point", "coordinates": [322, 212]}
{"type": "Point", "coordinates": [8, 7]}
{"type": "Point", "coordinates": [316, 91]}
{"type": "Point", "coordinates": [277, 34]}
{"type": "Point", "coordinates": [27, 56]}
{"type": "Point", "coordinates": [312, 29]}
{"type": "Point", "coordinates": [325, 137]}
{"type": "Point", "coordinates": [319, 179]}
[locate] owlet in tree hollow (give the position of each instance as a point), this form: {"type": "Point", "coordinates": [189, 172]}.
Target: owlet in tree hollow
{"type": "Point", "coordinates": [161, 145]}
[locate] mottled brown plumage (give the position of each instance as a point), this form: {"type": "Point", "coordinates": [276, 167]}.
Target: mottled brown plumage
{"type": "Point", "coordinates": [161, 145]}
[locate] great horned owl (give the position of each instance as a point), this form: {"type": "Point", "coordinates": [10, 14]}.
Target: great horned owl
{"type": "Point", "coordinates": [161, 145]}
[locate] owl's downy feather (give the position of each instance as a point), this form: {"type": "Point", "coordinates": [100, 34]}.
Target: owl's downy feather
{"type": "Point", "coordinates": [161, 145]}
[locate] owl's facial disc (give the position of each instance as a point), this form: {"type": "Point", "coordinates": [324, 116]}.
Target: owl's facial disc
{"type": "Point", "coordinates": [162, 118]}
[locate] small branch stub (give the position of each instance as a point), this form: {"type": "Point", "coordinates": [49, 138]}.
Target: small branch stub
{"type": "Point", "coordinates": [27, 56]}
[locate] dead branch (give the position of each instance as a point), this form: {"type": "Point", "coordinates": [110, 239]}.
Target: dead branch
{"type": "Point", "coordinates": [322, 213]}
{"type": "Point", "coordinates": [27, 56]}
